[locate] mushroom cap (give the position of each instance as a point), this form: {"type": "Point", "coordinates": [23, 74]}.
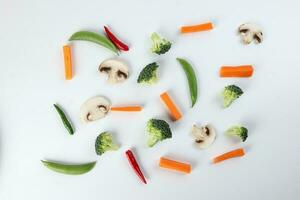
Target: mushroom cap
{"type": "Point", "coordinates": [94, 108]}
{"type": "Point", "coordinates": [250, 32]}
{"type": "Point", "coordinates": [116, 69]}
{"type": "Point", "coordinates": [205, 136]}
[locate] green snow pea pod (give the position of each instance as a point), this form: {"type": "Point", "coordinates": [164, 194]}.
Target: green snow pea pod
{"type": "Point", "coordinates": [69, 169]}
{"type": "Point", "coordinates": [64, 119]}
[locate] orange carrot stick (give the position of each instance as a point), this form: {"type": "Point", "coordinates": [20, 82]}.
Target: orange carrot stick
{"type": "Point", "coordinates": [197, 28]}
{"type": "Point", "coordinates": [236, 71]}
{"type": "Point", "coordinates": [175, 114]}
{"type": "Point", "coordinates": [228, 155]}
{"type": "Point", "coordinates": [127, 109]}
{"type": "Point", "coordinates": [175, 165]}
{"type": "Point", "coordinates": [68, 62]}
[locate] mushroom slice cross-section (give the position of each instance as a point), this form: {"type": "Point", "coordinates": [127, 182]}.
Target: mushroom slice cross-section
{"type": "Point", "coordinates": [204, 136]}
{"type": "Point", "coordinates": [116, 70]}
{"type": "Point", "coordinates": [250, 32]}
{"type": "Point", "coordinates": [94, 108]}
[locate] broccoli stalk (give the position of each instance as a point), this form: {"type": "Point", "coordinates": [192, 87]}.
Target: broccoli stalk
{"type": "Point", "coordinates": [149, 74]}
{"type": "Point", "coordinates": [231, 93]}
{"type": "Point", "coordinates": [159, 45]}
{"type": "Point", "coordinates": [239, 131]}
{"type": "Point", "coordinates": [104, 142]}
{"type": "Point", "coordinates": [158, 130]}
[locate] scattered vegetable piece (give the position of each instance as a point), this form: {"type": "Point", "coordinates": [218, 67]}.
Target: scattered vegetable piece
{"type": "Point", "coordinates": [127, 108]}
{"type": "Point", "coordinates": [149, 74]}
{"type": "Point", "coordinates": [175, 165]}
{"type": "Point", "coordinates": [68, 62]}
{"type": "Point", "coordinates": [196, 28]}
{"type": "Point", "coordinates": [250, 32]}
{"type": "Point", "coordinates": [104, 142]}
{"type": "Point", "coordinates": [95, 38]}
{"type": "Point", "coordinates": [158, 130]}
{"type": "Point", "coordinates": [175, 114]}
{"type": "Point", "coordinates": [205, 136]}
{"type": "Point", "coordinates": [69, 169]}
{"type": "Point", "coordinates": [135, 166]}
{"type": "Point", "coordinates": [230, 94]}
{"type": "Point", "coordinates": [239, 131]}
{"type": "Point", "coordinates": [192, 80]}
{"type": "Point", "coordinates": [94, 108]}
{"type": "Point", "coordinates": [115, 40]}
{"type": "Point", "coordinates": [231, 154]}
{"type": "Point", "coordinates": [160, 45]}
{"type": "Point", "coordinates": [241, 71]}
{"type": "Point", "coordinates": [116, 70]}
{"type": "Point", "coordinates": [64, 119]}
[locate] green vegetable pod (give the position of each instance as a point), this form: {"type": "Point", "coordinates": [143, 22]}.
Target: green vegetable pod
{"type": "Point", "coordinates": [64, 119]}
{"type": "Point", "coordinates": [69, 169]}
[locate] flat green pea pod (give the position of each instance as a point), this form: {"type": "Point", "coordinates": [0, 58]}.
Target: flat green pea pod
{"type": "Point", "coordinates": [95, 38]}
{"type": "Point", "coordinates": [64, 119]}
{"type": "Point", "coordinates": [192, 80]}
{"type": "Point", "coordinates": [69, 169]}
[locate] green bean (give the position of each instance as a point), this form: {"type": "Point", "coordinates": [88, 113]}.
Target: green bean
{"type": "Point", "coordinates": [69, 169]}
{"type": "Point", "coordinates": [64, 119]}
{"type": "Point", "coordinates": [96, 38]}
{"type": "Point", "coordinates": [192, 80]}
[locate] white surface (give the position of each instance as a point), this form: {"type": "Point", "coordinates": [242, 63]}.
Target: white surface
{"type": "Point", "coordinates": [31, 80]}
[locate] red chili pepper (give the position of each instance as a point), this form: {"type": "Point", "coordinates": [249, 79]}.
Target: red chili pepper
{"type": "Point", "coordinates": [115, 40]}
{"type": "Point", "coordinates": [135, 165]}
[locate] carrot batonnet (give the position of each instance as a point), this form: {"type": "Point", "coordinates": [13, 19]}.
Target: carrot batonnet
{"type": "Point", "coordinates": [236, 71]}
{"type": "Point", "coordinates": [196, 28]}
{"type": "Point", "coordinates": [127, 108]}
{"type": "Point", "coordinates": [68, 62]}
{"type": "Point", "coordinates": [231, 154]}
{"type": "Point", "coordinates": [175, 165]}
{"type": "Point", "coordinates": [175, 114]}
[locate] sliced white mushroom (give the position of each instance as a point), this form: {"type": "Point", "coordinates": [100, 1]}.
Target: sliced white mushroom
{"type": "Point", "coordinates": [204, 136]}
{"type": "Point", "coordinates": [250, 32]}
{"type": "Point", "coordinates": [94, 108]}
{"type": "Point", "coordinates": [116, 70]}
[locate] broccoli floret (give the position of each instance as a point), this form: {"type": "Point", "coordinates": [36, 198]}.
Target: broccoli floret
{"type": "Point", "coordinates": [239, 131]}
{"type": "Point", "coordinates": [231, 93]}
{"type": "Point", "coordinates": [148, 74]}
{"type": "Point", "coordinates": [105, 143]}
{"type": "Point", "coordinates": [160, 45]}
{"type": "Point", "coordinates": [158, 130]}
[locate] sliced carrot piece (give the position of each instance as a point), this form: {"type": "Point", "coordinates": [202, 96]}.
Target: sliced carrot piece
{"type": "Point", "coordinates": [175, 165]}
{"type": "Point", "coordinates": [127, 109]}
{"type": "Point", "coordinates": [174, 112]}
{"type": "Point", "coordinates": [228, 155]}
{"type": "Point", "coordinates": [236, 71]}
{"type": "Point", "coordinates": [197, 28]}
{"type": "Point", "coordinates": [68, 62]}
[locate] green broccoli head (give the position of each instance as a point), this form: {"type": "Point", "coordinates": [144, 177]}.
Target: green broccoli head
{"type": "Point", "coordinates": [149, 74]}
{"type": "Point", "coordinates": [239, 131]}
{"type": "Point", "coordinates": [104, 142]}
{"type": "Point", "coordinates": [159, 45]}
{"type": "Point", "coordinates": [158, 130]}
{"type": "Point", "coordinates": [231, 93]}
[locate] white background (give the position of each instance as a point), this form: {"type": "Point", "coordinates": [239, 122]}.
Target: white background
{"type": "Point", "coordinates": [32, 79]}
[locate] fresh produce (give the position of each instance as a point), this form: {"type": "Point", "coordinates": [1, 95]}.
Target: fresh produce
{"type": "Point", "coordinates": [230, 94]}
{"type": "Point", "coordinates": [115, 40]}
{"type": "Point", "coordinates": [94, 108]}
{"type": "Point", "coordinates": [95, 38]}
{"type": "Point", "coordinates": [196, 28]}
{"type": "Point", "coordinates": [149, 74]}
{"type": "Point", "coordinates": [175, 114]}
{"type": "Point", "coordinates": [127, 108]}
{"type": "Point", "coordinates": [231, 154]}
{"type": "Point", "coordinates": [160, 45]}
{"type": "Point", "coordinates": [158, 130]}
{"type": "Point", "coordinates": [135, 166]}
{"type": "Point", "coordinates": [238, 131]}
{"type": "Point", "coordinates": [69, 169]}
{"type": "Point", "coordinates": [68, 62]}
{"type": "Point", "coordinates": [192, 80]}
{"type": "Point", "coordinates": [205, 136]}
{"type": "Point", "coordinates": [64, 119]}
{"type": "Point", "coordinates": [175, 165]}
{"type": "Point", "coordinates": [116, 70]}
{"type": "Point", "coordinates": [242, 71]}
{"type": "Point", "coordinates": [250, 32]}
{"type": "Point", "coordinates": [104, 142]}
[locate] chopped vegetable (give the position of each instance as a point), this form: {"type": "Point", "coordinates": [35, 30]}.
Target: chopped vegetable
{"type": "Point", "coordinates": [68, 62]}
{"type": "Point", "coordinates": [69, 169]}
{"type": "Point", "coordinates": [159, 130]}
{"type": "Point", "coordinates": [205, 136]}
{"type": "Point", "coordinates": [230, 94]}
{"type": "Point", "coordinates": [115, 40]}
{"type": "Point", "coordinates": [196, 28]}
{"type": "Point", "coordinates": [241, 71]}
{"type": "Point", "coordinates": [116, 70]}
{"type": "Point", "coordinates": [160, 45]}
{"type": "Point", "coordinates": [104, 142]}
{"type": "Point", "coordinates": [250, 32]}
{"type": "Point", "coordinates": [149, 74]}
{"type": "Point", "coordinates": [239, 131]}
{"type": "Point", "coordinates": [175, 114]}
{"type": "Point", "coordinates": [135, 166]}
{"type": "Point", "coordinates": [127, 108]}
{"type": "Point", "coordinates": [94, 108]}
{"type": "Point", "coordinates": [95, 38]}
{"type": "Point", "coordinates": [192, 80]}
{"type": "Point", "coordinates": [231, 154]}
{"type": "Point", "coordinates": [175, 165]}
{"type": "Point", "coordinates": [64, 119]}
